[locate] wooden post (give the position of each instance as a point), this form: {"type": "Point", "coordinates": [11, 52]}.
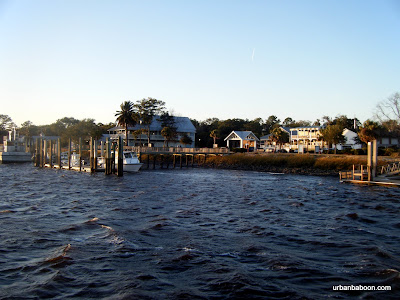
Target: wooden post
{"type": "Point", "coordinates": [113, 157]}
{"type": "Point", "coordinates": [44, 152]}
{"type": "Point", "coordinates": [59, 152]}
{"type": "Point", "coordinates": [154, 160]}
{"type": "Point", "coordinates": [102, 152]}
{"type": "Point", "coordinates": [180, 160]}
{"type": "Point", "coordinates": [80, 154]}
{"type": "Point", "coordinates": [51, 154]}
{"type": "Point", "coordinates": [173, 162]}
{"type": "Point", "coordinates": [374, 158]}
{"type": "Point", "coordinates": [95, 158]}
{"type": "Point", "coordinates": [148, 161]}
{"type": "Point", "coordinates": [369, 160]}
{"type": "Point", "coordinates": [161, 161]}
{"type": "Point", "coordinates": [120, 157]}
{"type": "Point", "coordinates": [108, 157]}
{"type": "Point", "coordinates": [36, 153]}
{"type": "Point", "coordinates": [91, 156]}
{"type": "Point", "coordinates": [41, 153]}
{"type": "Point", "coordinates": [69, 154]}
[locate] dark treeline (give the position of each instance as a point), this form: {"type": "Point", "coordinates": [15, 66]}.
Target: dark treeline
{"type": "Point", "coordinates": [65, 128]}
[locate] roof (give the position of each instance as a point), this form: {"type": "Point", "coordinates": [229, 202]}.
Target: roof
{"type": "Point", "coordinates": [306, 127]}
{"type": "Point", "coordinates": [265, 137]}
{"type": "Point", "coordinates": [243, 135]}
{"type": "Point", "coordinates": [183, 124]}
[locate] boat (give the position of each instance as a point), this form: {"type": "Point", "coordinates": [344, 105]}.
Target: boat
{"type": "Point", "coordinates": [75, 159]}
{"type": "Point", "coordinates": [14, 149]}
{"type": "Point", "coordinates": [130, 160]}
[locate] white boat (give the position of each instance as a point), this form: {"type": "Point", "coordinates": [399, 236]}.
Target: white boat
{"type": "Point", "coordinates": [75, 159]}
{"type": "Point", "coordinates": [130, 160]}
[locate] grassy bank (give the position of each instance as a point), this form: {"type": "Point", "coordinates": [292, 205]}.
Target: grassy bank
{"type": "Point", "coordinates": [288, 163]}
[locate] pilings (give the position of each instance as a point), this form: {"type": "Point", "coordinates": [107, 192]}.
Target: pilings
{"type": "Point", "coordinates": [177, 159]}
{"type": "Point", "coordinates": [48, 153]}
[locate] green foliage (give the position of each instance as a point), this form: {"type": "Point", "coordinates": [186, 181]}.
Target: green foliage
{"type": "Point", "coordinates": [369, 131]}
{"type": "Point", "coordinates": [126, 117]}
{"type": "Point", "coordinates": [145, 110]}
{"type": "Point", "coordinates": [6, 124]}
{"type": "Point", "coordinates": [169, 134]}
{"type": "Point", "coordinates": [186, 140]}
{"type": "Point", "coordinates": [279, 136]}
{"type": "Point", "coordinates": [333, 134]}
{"type": "Point", "coordinates": [214, 135]}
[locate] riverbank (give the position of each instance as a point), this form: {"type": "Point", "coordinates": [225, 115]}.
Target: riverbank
{"type": "Point", "coordinates": [288, 163]}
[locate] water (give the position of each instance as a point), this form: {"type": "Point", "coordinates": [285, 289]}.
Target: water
{"type": "Point", "coordinates": [194, 234]}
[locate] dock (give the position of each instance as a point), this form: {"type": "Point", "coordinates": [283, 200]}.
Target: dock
{"type": "Point", "coordinates": [184, 157]}
{"type": "Point", "coordinates": [387, 175]}
{"type": "Point", "coordinates": [48, 154]}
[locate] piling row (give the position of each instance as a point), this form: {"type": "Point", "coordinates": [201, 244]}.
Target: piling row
{"type": "Point", "coordinates": [47, 153]}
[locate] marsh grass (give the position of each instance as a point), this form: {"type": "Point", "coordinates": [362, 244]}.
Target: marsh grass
{"type": "Point", "coordinates": [330, 163]}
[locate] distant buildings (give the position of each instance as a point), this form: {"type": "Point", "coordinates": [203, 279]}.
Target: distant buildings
{"type": "Point", "coordinates": [242, 139]}
{"type": "Point", "coordinates": [302, 139]}
{"type": "Point", "coordinates": [183, 127]}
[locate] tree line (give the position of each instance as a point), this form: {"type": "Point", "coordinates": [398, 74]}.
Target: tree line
{"type": "Point", "coordinates": [213, 131]}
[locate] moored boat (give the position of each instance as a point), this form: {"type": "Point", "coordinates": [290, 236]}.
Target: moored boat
{"type": "Point", "coordinates": [130, 160]}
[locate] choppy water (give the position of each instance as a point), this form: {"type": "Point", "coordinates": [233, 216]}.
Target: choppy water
{"type": "Point", "coordinates": [194, 234]}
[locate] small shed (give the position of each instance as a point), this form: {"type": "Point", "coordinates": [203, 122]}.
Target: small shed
{"type": "Point", "coordinates": [242, 139]}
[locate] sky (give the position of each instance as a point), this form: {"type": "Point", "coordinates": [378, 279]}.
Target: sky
{"type": "Point", "coordinates": [246, 59]}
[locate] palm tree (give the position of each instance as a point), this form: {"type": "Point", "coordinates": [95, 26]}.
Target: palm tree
{"type": "Point", "coordinates": [126, 117]}
{"type": "Point", "coordinates": [214, 135]}
{"type": "Point", "coordinates": [279, 136]}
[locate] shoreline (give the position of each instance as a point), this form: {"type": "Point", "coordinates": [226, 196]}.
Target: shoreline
{"type": "Point", "coordinates": [273, 169]}
{"type": "Point", "coordinates": [301, 164]}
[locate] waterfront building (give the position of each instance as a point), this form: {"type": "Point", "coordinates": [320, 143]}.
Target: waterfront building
{"type": "Point", "coordinates": [183, 127]}
{"type": "Point", "coordinates": [307, 138]}
{"type": "Point", "coordinates": [266, 143]}
{"type": "Point", "coordinates": [350, 142]}
{"type": "Point", "coordinates": [242, 139]}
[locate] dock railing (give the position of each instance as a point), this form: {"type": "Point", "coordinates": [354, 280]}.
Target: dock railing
{"type": "Point", "coordinates": [359, 172]}
{"type": "Point", "coordinates": [390, 169]}
{"type": "Point", "coordinates": [177, 150]}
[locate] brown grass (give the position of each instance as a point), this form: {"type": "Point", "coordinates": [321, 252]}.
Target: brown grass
{"type": "Point", "coordinates": [321, 162]}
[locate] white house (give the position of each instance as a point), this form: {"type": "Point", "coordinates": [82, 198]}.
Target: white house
{"type": "Point", "coordinates": [350, 140]}
{"type": "Point", "coordinates": [242, 139]}
{"type": "Point", "coordinates": [307, 138]}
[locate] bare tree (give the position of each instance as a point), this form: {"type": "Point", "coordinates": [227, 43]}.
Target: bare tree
{"type": "Point", "coordinates": [389, 109]}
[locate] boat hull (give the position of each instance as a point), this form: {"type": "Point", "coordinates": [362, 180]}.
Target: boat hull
{"type": "Point", "coordinates": [132, 167]}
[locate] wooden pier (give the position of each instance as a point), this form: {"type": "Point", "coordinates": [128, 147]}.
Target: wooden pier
{"type": "Point", "coordinates": [48, 154]}
{"type": "Point", "coordinates": [370, 174]}
{"type": "Point", "coordinates": [183, 157]}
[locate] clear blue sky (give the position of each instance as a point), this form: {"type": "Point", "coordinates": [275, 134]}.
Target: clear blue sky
{"type": "Point", "coordinates": [225, 59]}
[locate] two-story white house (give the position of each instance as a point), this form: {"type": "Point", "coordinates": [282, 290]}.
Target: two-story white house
{"type": "Point", "coordinates": [306, 138]}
